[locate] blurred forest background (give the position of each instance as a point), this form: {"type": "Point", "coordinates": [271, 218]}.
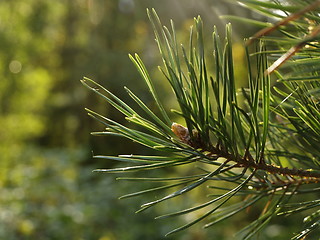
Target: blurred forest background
{"type": "Point", "coordinates": [47, 188]}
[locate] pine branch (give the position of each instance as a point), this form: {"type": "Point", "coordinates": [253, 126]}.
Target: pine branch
{"type": "Point", "coordinates": [273, 137]}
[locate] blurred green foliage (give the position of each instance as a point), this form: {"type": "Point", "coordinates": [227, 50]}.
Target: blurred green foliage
{"type": "Point", "coordinates": [47, 189]}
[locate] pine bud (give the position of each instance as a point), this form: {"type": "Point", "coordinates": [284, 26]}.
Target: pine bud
{"type": "Point", "coordinates": [181, 132]}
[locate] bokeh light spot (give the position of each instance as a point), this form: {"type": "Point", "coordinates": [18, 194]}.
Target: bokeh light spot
{"type": "Point", "coordinates": [126, 6]}
{"type": "Point", "coordinates": [15, 66]}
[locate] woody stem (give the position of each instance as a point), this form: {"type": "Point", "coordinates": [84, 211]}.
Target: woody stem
{"type": "Point", "coordinates": [249, 162]}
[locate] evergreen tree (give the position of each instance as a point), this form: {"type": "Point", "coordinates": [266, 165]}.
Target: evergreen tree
{"type": "Point", "coordinates": [255, 147]}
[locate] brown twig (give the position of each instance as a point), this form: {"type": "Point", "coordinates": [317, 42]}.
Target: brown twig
{"type": "Point", "coordinates": [244, 162]}
{"type": "Point", "coordinates": [292, 51]}
{"type": "Point", "coordinates": [284, 21]}
{"type": "Point", "coordinates": [248, 162]}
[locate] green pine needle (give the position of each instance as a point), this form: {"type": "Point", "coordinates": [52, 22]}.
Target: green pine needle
{"type": "Point", "coordinates": [260, 142]}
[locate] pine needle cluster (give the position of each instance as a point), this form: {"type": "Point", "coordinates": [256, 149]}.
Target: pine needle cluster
{"type": "Point", "coordinates": [262, 141]}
